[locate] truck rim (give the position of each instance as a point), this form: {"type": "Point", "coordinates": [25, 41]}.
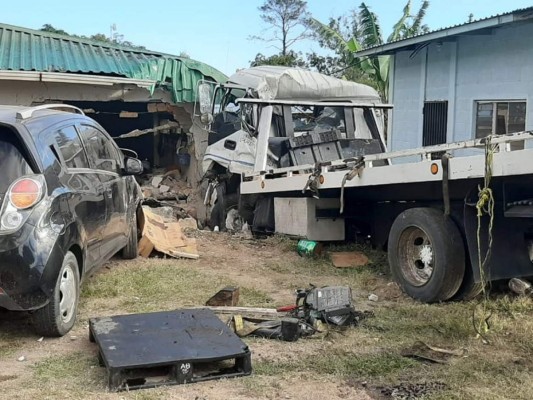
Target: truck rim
{"type": "Point", "coordinates": [67, 294]}
{"type": "Point", "coordinates": [416, 256]}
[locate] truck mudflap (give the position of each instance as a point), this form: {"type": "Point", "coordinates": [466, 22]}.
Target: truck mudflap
{"type": "Point", "coordinates": [509, 256]}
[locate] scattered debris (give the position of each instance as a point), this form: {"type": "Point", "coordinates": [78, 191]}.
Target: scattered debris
{"type": "Point", "coordinates": [156, 181]}
{"type": "Point", "coordinates": [40, 339]}
{"type": "Point", "coordinates": [286, 329]}
{"type": "Point", "coordinates": [256, 312]}
{"type": "Point", "coordinates": [373, 297]}
{"type": "Point", "coordinates": [521, 287]}
{"type": "Point", "coordinates": [314, 310]}
{"type": "Point", "coordinates": [348, 259]}
{"type": "Point", "coordinates": [21, 358]}
{"type": "Point", "coordinates": [410, 391]}
{"type": "Point", "coordinates": [422, 351]}
{"type": "Point", "coordinates": [229, 296]}
{"type": "Point", "coordinates": [165, 235]}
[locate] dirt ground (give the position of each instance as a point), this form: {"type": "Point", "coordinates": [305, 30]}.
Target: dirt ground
{"type": "Point", "coordinates": [362, 362]}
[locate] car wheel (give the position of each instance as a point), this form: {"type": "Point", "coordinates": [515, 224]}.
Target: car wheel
{"type": "Point", "coordinates": [131, 250]}
{"type": "Point", "coordinates": [59, 315]}
{"type": "Point", "coordinates": [426, 254]}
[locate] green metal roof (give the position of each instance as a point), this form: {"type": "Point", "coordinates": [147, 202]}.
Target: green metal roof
{"type": "Point", "coordinates": [24, 49]}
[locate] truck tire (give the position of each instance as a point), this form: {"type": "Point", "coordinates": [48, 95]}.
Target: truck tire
{"type": "Point", "coordinates": [219, 214]}
{"type": "Point", "coordinates": [59, 315]}
{"type": "Point", "coordinates": [469, 288]}
{"type": "Point", "coordinates": [426, 254]}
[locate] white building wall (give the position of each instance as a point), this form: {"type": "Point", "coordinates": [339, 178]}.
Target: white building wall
{"type": "Point", "coordinates": [490, 66]}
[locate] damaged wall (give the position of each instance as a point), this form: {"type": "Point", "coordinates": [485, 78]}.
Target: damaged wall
{"type": "Point", "coordinates": [14, 92]}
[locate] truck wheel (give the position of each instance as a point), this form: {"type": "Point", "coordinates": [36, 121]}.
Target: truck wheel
{"type": "Point", "coordinates": [469, 289]}
{"type": "Point", "coordinates": [131, 250]}
{"type": "Point", "coordinates": [426, 254]}
{"type": "Point", "coordinates": [59, 315]}
{"type": "Point", "coordinates": [220, 215]}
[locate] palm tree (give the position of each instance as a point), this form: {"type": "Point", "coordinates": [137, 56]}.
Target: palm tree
{"type": "Point", "coordinates": [367, 33]}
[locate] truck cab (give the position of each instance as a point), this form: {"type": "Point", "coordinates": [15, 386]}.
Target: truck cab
{"type": "Point", "coordinates": [278, 117]}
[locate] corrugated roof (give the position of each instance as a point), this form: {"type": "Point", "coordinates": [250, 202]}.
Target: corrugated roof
{"type": "Point", "coordinates": [24, 49]}
{"type": "Point", "coordinates": [494, 21]}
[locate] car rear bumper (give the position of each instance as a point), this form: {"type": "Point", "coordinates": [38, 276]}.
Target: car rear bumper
{"type": "Point", "coordinates": [24, 257]}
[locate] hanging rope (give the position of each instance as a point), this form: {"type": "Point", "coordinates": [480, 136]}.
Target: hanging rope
{"type": "Point", "coordinates": [352, 173]}
{"type": "Point", "coordinates": [485, 206]}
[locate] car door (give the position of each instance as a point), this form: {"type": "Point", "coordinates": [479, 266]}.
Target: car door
{"type": "Point", "coordinates": [106, 160]}
{"type": "Point", "coordinates": [85, 191]}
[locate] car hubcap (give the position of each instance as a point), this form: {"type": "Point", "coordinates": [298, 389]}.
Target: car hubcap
{"type": "Point", "coordinates": [67, 294]}
{"type": "Point", "coordinates": [416, 256]}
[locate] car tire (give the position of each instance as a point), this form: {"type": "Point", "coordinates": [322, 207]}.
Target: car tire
{"type": "Point", "coordinates": [59, 315]}
{"type": "Point", "coordinates": [131, 250]}
{"type": "Point", "coordinates": [426, 254]}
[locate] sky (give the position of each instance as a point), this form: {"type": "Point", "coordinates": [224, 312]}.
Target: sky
{"type": "Point", "coordinates": [217, 32]}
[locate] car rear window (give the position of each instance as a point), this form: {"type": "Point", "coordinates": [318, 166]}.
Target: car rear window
{"type": "Point", "coordinates": [13, 164]}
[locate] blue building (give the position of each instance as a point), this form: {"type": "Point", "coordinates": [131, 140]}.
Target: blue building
{"type": "Point", "coordinates": [462, 82]}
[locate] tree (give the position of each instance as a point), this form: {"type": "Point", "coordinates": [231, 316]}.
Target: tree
{"type": "Point", "coordinates": [51, 29]}
{"type": "Point", "coordinates": [98, 37]}
{"type": "Point", "coordinates": [291, 59]}
{"type": "Point", "coordinates": [365, 32]}
{"type": "Point", "coordinates": [284, 17]}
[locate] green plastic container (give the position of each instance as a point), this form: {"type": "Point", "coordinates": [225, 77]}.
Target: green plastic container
{"type": "Point", "coordinates": [309, 248]}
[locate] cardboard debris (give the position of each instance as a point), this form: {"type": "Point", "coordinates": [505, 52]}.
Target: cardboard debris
{"type": "Point", "coordinates": [348, 259]}
{"type": "Point", "coordinates": [165, 236]}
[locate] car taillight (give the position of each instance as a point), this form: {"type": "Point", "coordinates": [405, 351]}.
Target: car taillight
{"type": "Point", "coordinates": [25, 193]}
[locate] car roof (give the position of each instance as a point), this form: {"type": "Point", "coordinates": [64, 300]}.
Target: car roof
{"type": "Point", "coordinates": [13, 114]}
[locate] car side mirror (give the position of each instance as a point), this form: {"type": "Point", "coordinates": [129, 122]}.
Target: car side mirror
{"type": "Point", "coordinates": [133, 166]}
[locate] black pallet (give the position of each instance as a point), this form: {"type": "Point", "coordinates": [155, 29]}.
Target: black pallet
{"type": "Point", "coordinates": [168, 348]}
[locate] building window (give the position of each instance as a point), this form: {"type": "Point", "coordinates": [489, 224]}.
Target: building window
{"type": "Point", "coordinates": [500, 117]}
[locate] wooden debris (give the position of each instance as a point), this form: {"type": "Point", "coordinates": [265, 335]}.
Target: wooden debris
{"type": "Point", "coordinates": [348, 259]}
{"type": "Point", "coordinates": [229, 296]}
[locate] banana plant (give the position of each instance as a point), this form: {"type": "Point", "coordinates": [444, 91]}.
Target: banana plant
{"type": "Point", "coordinates": [368, 34]}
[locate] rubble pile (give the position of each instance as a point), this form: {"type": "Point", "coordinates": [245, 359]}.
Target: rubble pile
{"type": "Point", "coordinates": [169, 189]}
{"type": "Point", "coordinates": [170, 215]}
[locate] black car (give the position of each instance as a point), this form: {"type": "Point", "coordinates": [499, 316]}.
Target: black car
{"type": "Point", "coordinates": [68, 201]}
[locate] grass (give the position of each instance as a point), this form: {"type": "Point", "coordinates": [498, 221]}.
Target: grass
{"type": "Point", "coordinates": [139, 288]}
{"type": "Point", "coordinates": [370, 352]}
{"type": "Point", "coordinates": [339, 364]}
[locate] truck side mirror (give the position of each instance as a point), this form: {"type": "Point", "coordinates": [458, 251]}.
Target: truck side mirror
{"type": "Point", "coordinates": [205, 95]}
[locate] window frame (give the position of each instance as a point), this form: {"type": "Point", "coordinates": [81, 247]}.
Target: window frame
{"type": "Point", "coordinates": [53, 140]}
{"type": "Point", "coordinates": [494, 122]}
{"type": "Point", "coordinates": [119, 157]}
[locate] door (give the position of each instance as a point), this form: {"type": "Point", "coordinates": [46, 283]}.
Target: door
{"type": "Point", "coordinates": [435, 123]}
{"type": "Point", "coordinates": [105, 159]}
{"type": "Point", "coordinates": [85, 194]}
